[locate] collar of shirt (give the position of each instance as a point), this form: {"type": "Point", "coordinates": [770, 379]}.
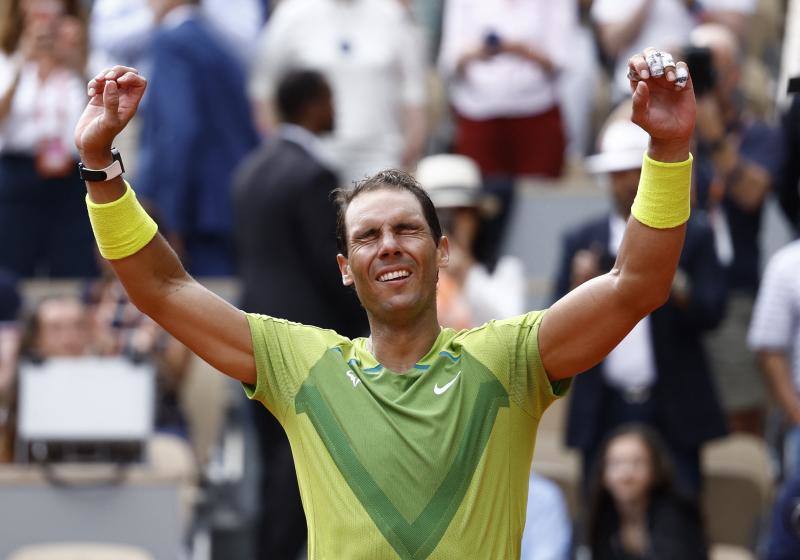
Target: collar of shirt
{"type": "Point", "coordinates": [179, 15]}
{"type": "Point", "coordinates": [308, 141]}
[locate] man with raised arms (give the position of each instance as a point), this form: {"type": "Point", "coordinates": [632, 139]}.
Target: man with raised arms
{"type": "Point", "coordinates": [415, 442]}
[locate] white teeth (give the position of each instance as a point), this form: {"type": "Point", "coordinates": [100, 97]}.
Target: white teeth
{"type": "Point", "coordinates": [393, 275]}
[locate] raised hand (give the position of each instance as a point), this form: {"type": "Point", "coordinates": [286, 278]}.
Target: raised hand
{"type": "Point", "coordinates": [114, 96]}
{"type": "Point", "coordinates": [663, 101]}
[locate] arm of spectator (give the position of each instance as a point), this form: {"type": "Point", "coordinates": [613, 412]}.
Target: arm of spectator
{"type": "Point", "coordinates": [154, 277]}
{"type": "Point", "coordinates": [553, 50]}
{"type": "Point", "coordinates": [458, 49]}
{"type": "Point", "coordinates": [9, 350]}
{"type": "Point", "coordinates": [411, 48]}
{"type": "Point", "coordinates": [581, 328]}
{"type": "Point", "coordinates": [616, 33]}
{"type": "Point", "coordinates": [771, 329]}
{"type": "Point", "coordinates": [168, 137]}
{"type": "Point", "coordinates": [7, 97]}
{"type": "Point", "coordinates": [272, 58]}
{"type": "Point", "coordinates": [699, 288]}
{"type": "Point", "coordinates": [777, 371]}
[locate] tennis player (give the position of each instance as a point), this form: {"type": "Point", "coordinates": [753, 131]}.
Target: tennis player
{"type": "Point", "coordinates": [415, 442]}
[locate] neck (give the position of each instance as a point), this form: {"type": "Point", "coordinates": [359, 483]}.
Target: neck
{"type": "Point", "coordinates": [634, 511]}
{"type": "Point", "coordinates": [399, 347]}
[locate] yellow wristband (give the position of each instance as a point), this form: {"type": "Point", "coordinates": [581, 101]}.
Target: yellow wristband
{"type": "Point", "coordinates": [121, 227]}
{"type": "Point", "coordinates": [663, 200]}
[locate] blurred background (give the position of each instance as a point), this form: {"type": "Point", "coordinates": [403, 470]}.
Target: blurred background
{"type": "Point", "coordinates": [117, 443]}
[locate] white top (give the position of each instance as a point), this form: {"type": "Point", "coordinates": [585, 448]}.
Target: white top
{"type": "Point", "coordinates": [373, 57]}
{"type": "Point", "coordinates": [776, 317]}
{"type": "Point", "coordinates": [631, 365]}
{"type": "Point", "coordinates": [667, 26]}
{"type": "Point", "coordinates": [548, 527]}
{"type": "Point", "coordinates": [505, 85]}
{"type": "Point", "coordinates": [496, 295]}
{"type": "Point", "coordinates": [40, 110]}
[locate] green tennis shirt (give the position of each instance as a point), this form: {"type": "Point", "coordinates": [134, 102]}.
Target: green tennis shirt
{"type": "Point", "coordinates": [431, 463]}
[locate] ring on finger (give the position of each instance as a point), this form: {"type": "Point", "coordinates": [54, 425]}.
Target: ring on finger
{"type": "Point", "coordinates": [655, 64]}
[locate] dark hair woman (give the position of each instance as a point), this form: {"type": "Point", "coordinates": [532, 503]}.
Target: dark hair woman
{"type": "Point", "coordinates": [635, 514]}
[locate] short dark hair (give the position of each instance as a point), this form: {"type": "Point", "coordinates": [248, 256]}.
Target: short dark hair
{"type": "Point", "coordinates": [298, 89]}
{"type": "Point", "coordinates": [389, 179]}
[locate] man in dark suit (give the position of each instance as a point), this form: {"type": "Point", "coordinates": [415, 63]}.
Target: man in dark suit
{"type": "Point", "coordinates": [196, 127]}
{"type": "Point", "coordinates": [285, 224]}
{"type": "Point", "coordinates": [659, 373]}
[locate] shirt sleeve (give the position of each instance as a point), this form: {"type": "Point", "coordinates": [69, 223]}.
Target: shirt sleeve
{"type": "Point", "coordinates": [284, 352]}
{"type": "Point", "coordinates": [613, 11]}
{"type": "Point", "coordinates": [773, 314]}
{"type": "Point", "coordinates": [510, 349]}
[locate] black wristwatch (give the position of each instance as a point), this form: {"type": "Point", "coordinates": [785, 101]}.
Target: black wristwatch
{"type": "Point", "coordinates": [99, 175]}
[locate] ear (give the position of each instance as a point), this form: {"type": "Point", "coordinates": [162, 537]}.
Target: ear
{"type": "Point", "coordinates": [344, 269]}
{"type": "Point", "coordinates": [443, 252]}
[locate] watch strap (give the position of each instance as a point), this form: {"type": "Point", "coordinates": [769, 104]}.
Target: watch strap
{"type": "Point", "coordinates": [99, 175]}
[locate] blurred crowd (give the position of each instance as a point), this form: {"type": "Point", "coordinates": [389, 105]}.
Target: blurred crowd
{"type": "Point", "coordinates": [256, 110]}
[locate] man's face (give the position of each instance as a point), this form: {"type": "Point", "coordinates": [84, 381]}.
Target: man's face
{"type": "Point", "coordinates": [63, 328]}
{"type": "Point", "coordinates": [623, 190]}
{"type": "Point", "coordinates": [392, 261]}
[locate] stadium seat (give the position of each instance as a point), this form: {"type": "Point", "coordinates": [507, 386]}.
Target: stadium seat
{"type": "Point", "coordinates": [738, 487]}
{"type": "Point", "coordinates": [80, 551]}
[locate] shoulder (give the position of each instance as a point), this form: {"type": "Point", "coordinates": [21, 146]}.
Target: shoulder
{"type": "Point", "coordinates": [787, 259]}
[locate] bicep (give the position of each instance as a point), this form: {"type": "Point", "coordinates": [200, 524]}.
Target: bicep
{"type": "Point", "coordinates": [582, 327]}
{"type": "Point", "coordinates": [207, 324]}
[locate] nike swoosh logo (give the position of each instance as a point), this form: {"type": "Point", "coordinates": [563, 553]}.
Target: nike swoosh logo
{"type": "Point", "coordinates": [439, 390]}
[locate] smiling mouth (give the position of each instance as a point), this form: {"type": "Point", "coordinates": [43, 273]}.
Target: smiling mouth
{"type": "Point", "coordinates": [395, 275]}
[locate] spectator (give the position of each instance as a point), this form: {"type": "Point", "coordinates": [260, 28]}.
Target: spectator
{"type": "Point", "coordinates": [59, 327]}
{"type": "Point", "coordinates": [121, 33]}
{"type": "Point", "coordinates": [501, 61]}
{"type": "Point", "coordinates": [195, 130]}
{"type": "Point", "coordinates": [548, 527]}
{"type": "Point", "coordinates": [373, 57]}
{"type": "Point", "coordinates": [635, 511]}
{"type": "Point", "coordinates": [775, 337]}
{"type": "Point", "coordinates": [783, 541]}
{"type": "Point", "coordinates": [468, 293]}
{"type": "Point", "coordinates": [9, 349]}
{"type": "Point", "coordinates": [285, 185]}
{"type": "Point", "coordinates": [789, 186]}
{"type": "Point", "coordinates": [42, 94]}
{"type": "Point", "coordinates": [738, 158]}
{"type": "Point", "coordinates": [658, 374]}
{"type": "Point", "coordinates": [119, 329]}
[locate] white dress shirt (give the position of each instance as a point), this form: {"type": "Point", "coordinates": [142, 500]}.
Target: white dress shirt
{"type": "Point", "coordinates": [505, 85]}
{"type": "Point", "coordinates": [631, 365]}
{"type": "Point", "coordinates": [373, 57]}
{"type": "Point", "coordinates": [776, 317]}
{"type": "Point", "coordinates": [40, 110]}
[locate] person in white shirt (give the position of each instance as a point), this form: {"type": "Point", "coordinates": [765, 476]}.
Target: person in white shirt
{"type": "Point", "coordinates": [42, 94]}
{"type": "Point", "coordinates": [374, 58]}
{"type": "Point", "coordinates": [469, 294]}
{"type": "Point", "coordinates": [501, 60]}
{"type": "Point", "coordinates": [775, 336]}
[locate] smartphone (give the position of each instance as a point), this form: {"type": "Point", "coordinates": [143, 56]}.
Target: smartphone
{"type": "Point", "coordinates": [492, 41]}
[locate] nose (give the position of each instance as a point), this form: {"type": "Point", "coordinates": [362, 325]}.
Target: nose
{"type": "Point", "coordinates": [389, 244]}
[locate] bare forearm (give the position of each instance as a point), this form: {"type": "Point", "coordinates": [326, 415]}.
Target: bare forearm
{"type": "Point", "coordinates": [8, 97]}
{"type": "Point", "coordinates": [775, 366]}
{"type": "Point", "coordinates": [614, 37]}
